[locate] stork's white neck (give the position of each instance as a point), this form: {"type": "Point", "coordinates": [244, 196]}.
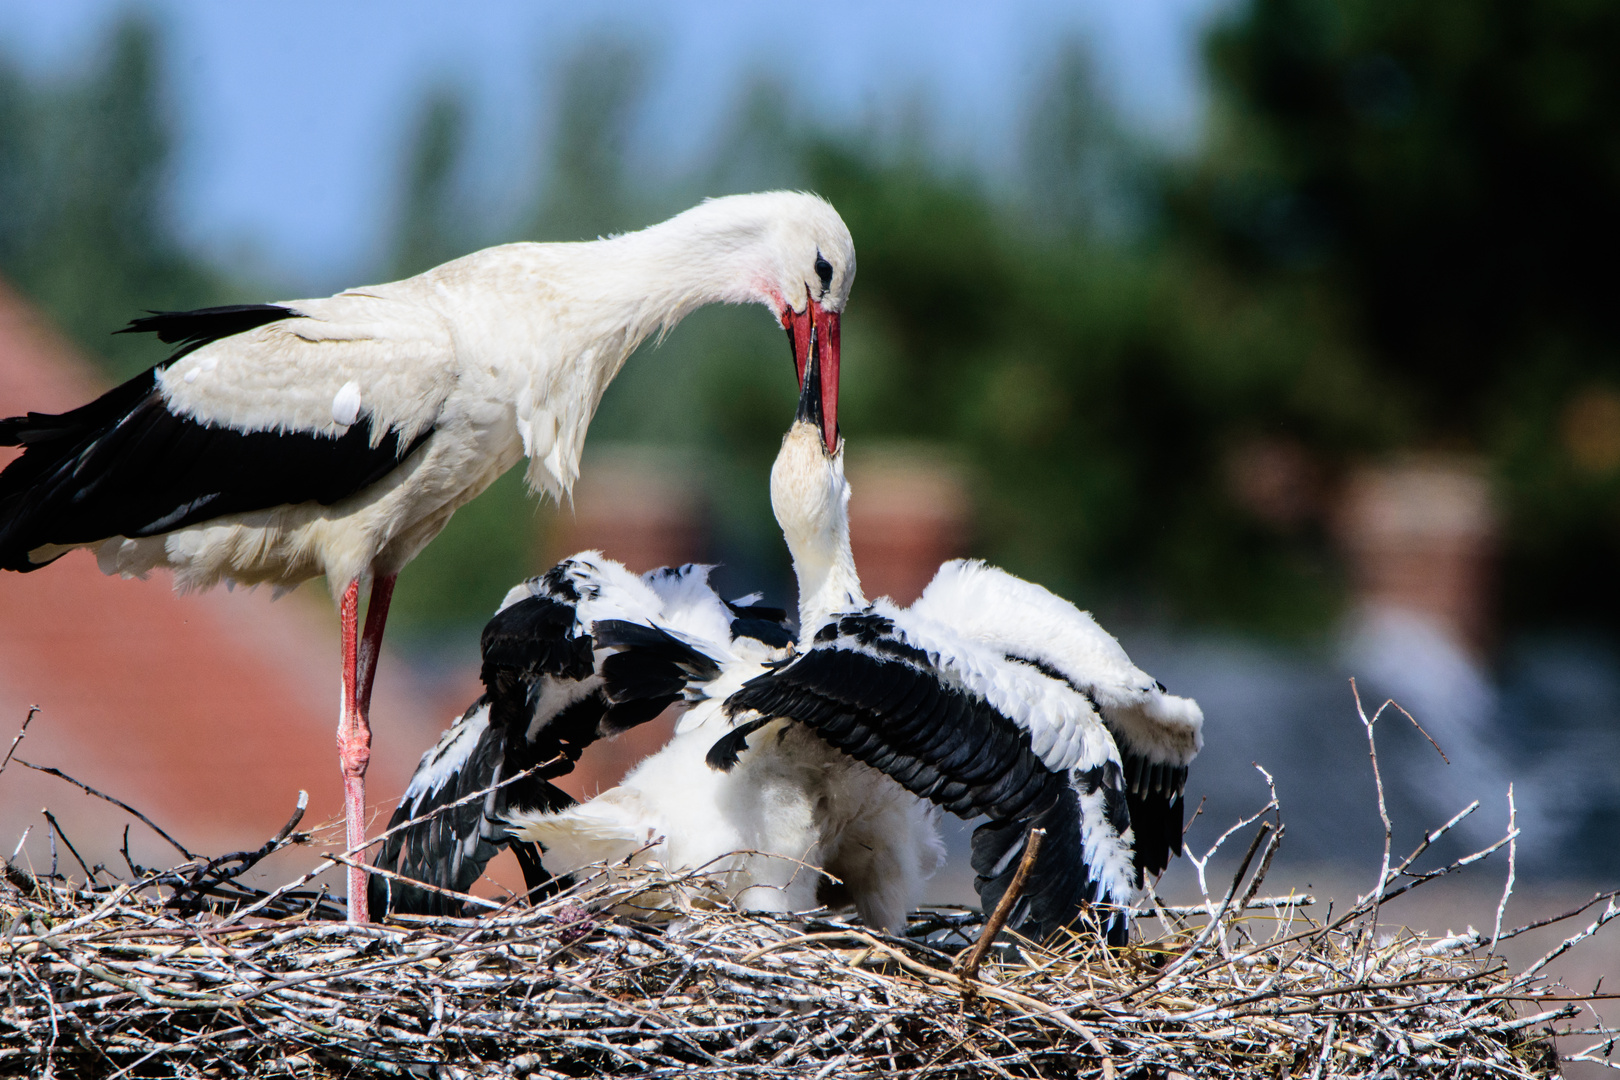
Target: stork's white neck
{"type": "Point", "coordinates": [562, 318]}
{"type": "Point", "coordinates": [811, 499]}
{"type": "Point", "coordinates": [717, 252]}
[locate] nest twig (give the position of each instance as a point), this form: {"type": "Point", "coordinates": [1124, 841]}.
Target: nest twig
{"type": "Point", "coordinates": [169, 973]}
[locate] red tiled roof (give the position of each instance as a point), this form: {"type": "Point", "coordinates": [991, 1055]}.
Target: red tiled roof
{"type": "Point", "coordinates": [207, 712]}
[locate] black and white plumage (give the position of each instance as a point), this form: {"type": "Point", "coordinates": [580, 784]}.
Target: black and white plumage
{"type": "Point", "coordinates": [586, 651]}
{"type": "Point", "coordinates": [988, 696]}
{"type": "Point", "coordinates": [1014, 730]}
{"type": "Point", "coordinates": [787, 824]}
{"type": "Point", "coordinates": [1156, 733]}
{"type": "Point", "coordinates": [338, 435]}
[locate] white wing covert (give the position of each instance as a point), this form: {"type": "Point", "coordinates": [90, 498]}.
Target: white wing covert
{"type": "Point", "coordinates": [1158, 734]}
{"type": "Point", "coordinates": [334, 362]}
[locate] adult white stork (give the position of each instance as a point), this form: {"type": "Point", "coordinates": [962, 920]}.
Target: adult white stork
{"type": "Point", "coordinates": [337, 436]}
{"type": "Point", "coordinates": [989, 695]}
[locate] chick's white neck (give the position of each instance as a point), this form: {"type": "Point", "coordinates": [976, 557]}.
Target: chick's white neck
{"type": "Point", "coordinates": [811, 499]}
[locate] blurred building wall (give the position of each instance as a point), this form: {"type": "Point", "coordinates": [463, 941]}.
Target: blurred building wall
{"type": "Point", "coordinates": [1419, 536]}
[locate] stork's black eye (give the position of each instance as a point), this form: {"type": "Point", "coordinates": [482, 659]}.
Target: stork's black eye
{"type": "Point", "coordinates": [824, 271]}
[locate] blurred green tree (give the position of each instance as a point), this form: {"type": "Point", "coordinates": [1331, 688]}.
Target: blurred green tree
{"type": "Point", "coordinates": [1392, 238]}
{"type": "Point", "coordinates": [84, 226]}
{"type": "Point", "coordinates": [598, 86]}
{"type": "Point", "coordinates": [430, 229]}
{"type": "Point", "coordinates": [1437, 187]}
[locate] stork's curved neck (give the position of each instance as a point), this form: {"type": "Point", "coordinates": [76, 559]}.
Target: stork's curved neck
{"type": "Point", "coordinates": [811, 499]}
{"type": "Point", "coordinates": [559, 320]}
{"type": "Point", "coordinates": [717, 252]}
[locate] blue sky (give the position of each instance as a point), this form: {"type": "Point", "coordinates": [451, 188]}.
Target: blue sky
{"type": "Point", "coordinates": [293, 113]}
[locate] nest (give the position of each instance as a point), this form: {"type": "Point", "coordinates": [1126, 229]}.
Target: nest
{"type": "Point", "coordinates": [189, 972]}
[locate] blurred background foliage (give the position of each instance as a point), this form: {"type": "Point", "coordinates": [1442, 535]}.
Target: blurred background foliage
{"type": "Point", "coordinates": [1396, 234]}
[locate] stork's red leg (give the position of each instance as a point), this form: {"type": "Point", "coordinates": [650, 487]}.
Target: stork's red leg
{"type": "Point", "coordinates": [354, 729]}
{"type": "Point", "coordinates": [382, 591]}
{"type": "Point", "coordinates": [354, 751]}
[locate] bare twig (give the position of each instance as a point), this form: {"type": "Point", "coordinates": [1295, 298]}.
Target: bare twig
{"type": "Point", "coordinates": [50, 819]}
{"type": "Point", "coordinates": [640, 972]}
{"type": "Point", "coordinates": [969, 966]}
{"type": "Point", "coordinates": [1513, 853]}
{"type": "Point", "coordinates": [1377, 894]}
{"type": "Point", "coordinates": [188, 897]}
{"type": "Point", "coordinates": [60, 775]}
{"type": "Point", "coordinates": [1425, 734]}
{"type": "Point", "coordinates": [33, 710]}
{"type": "Point", "coordinates": [330, 860]}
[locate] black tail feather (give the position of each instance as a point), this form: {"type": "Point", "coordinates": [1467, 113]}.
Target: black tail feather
{"type": "Point", "coordinates": [1059, 888]}
{"type": "Point", "coordinates": [192, 330]}
{"type": "Point", "coordinates": [722, 756]}
{"type": "Point", "coordinates": [650, 664]}
{"type": "Point", "coordinates": [451, 848]}
{"type": "Point", "coordinates": [125, 465]}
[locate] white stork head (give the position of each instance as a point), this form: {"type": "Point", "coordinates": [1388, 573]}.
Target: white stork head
{"type": "Point", "coordinates": [791, 252]}
{"type": "Point", "coordinates": [811, 500]}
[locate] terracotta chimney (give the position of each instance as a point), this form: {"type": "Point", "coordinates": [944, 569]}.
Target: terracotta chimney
{"type": "Point", "coordinates": [908, 513]}
{"type": "Point", "coordinates": [1420, 535]}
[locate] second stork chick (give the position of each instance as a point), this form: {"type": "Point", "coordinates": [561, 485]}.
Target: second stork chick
{"type": "Point", "coordinates": [988, 696]}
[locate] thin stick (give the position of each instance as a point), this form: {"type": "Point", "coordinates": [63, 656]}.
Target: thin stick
{"type": "Point", "coordinates": [1597, 898]}
{"type": "Point", "coordinates": [1400, 709]}
{"type": "Point", "coordinates": [59, 774]}
{"type": "Point", "coordinates": [33, 710]}
{"type": "Point", "coordinates": [1214, 920]}
{"type": "Point", "coordinates": [467, 898]}
{"type": "Point", "coordinates": [1513, 853]}
{"type": "Point", "coordinates": [246, 860]}
{"type": "Point", "coordinates": [1383, 815]}
{"type": "Point", "coordinates": [968, 969]}
{"type": "Point", "coordinates": [57, 825]}
{"type": "Point", "coordinates": [328, 861]}
{"type": "Point", "coordinates": [1260, 871]}
{"type": "Point", "coordinates": [1257, 904]}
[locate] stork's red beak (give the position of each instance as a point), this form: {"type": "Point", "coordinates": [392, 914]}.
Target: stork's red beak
{"type": "Point", "coordinates": [824, 339]}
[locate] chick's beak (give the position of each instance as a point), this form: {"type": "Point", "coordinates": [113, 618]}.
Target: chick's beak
{"type": "Point", "coordinates": [810, 411]}
{"type": "Point", "coordinates": [814, 333]}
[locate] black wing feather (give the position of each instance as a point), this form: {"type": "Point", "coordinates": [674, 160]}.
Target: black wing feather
{"type": "Point", "coordinates": [723, 755]}
{"type": "Point", "coordinates": [125, 465]}
{"type": "Point", "coordinates": [1154, 800]}
{"type": "Point", "coordinates": [772, 632]}
{"type": "Point", "coordinates": [451, 848]}
{"type": "Point", "coordinates": [886, 713]}
{"type": "Point", "coordinates": [191, 330]}
{"type": "Point", "coordinates": [884, 702]}
{"type": "Point", "coordinates": [1059, 887]}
